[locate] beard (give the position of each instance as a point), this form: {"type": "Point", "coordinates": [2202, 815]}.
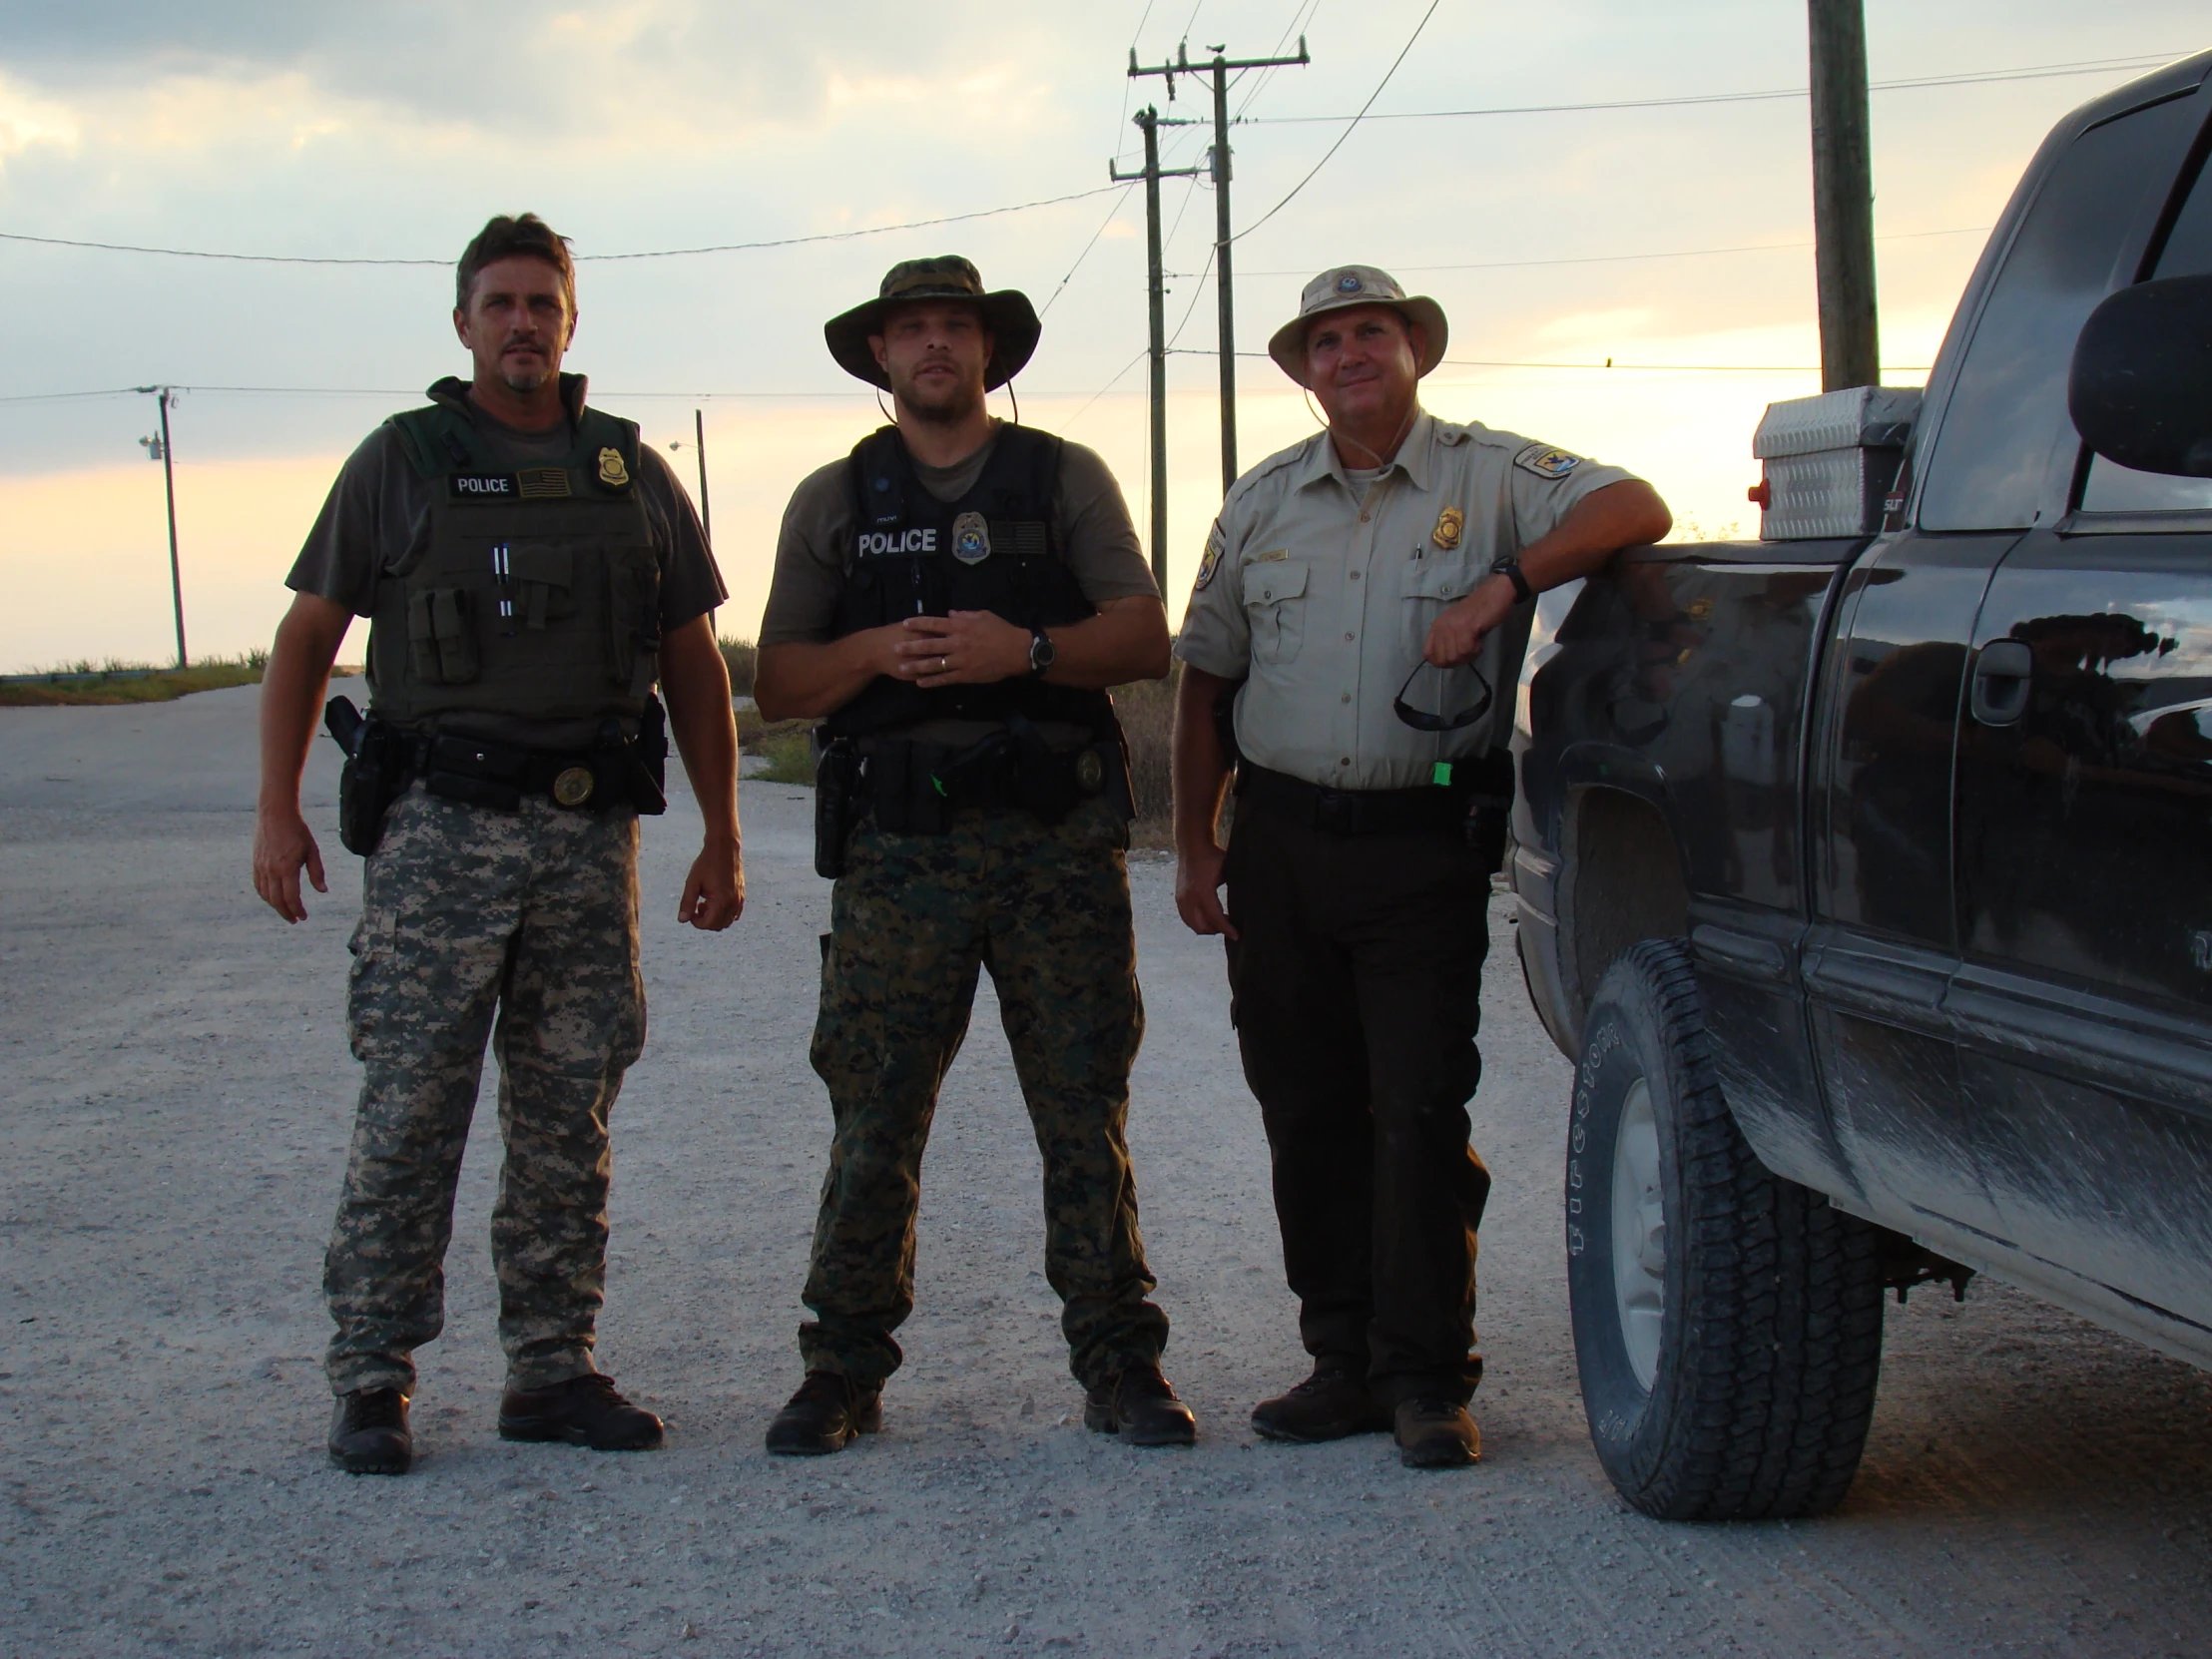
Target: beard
{"type": "Point", "coordinates": [523, 380]}
{"type": "Point", "coordinates": [946, 407]}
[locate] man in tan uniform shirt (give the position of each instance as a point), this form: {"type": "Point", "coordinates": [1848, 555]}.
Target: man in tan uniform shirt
{"type": "Point", "coordinates": [1364, 598]}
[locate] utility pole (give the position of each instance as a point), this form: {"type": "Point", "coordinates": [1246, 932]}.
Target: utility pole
{"type": "Point", "coordinates": [1843, 195]}
{"type": "Point", "coordinates": [1148, 122]}
{"type": "Point", "coordinates": [157, 449]}
{"type": "Point", "coordinates": [1224, 286]}
{"type": "Point", "coordinates": [699, 444]}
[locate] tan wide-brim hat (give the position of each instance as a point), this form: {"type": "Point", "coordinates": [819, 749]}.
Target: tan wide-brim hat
{"type": "Point", "coordinates": [1007, 314]}
{"type": "Point", "coordinates": [1357, 284]}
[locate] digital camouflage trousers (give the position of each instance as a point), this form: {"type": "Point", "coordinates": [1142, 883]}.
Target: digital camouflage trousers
{"type": "Point", "coordinates": [521, 928]}
{"type": "Point", "coordinates": [913, 919]}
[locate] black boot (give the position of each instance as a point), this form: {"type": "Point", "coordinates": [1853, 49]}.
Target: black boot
{"type": "Point", "coordinates": [1140, 1407]}
{"type": "Point", "coordinates": [369, 1432]}
{"type": "Point", "coordinates": [583, 1410]}
{"type": "Point", "coordinates": [825, 1415]}
{"type": "Point", "coordinates": [1331, 1405]}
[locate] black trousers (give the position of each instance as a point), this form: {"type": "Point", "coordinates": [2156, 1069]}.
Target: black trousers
{"type": "Point", "coordinates": [1355, 989]}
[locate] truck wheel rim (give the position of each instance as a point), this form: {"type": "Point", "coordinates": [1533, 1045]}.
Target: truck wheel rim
{"type": "Point", "coordinates": [1639, 1234]}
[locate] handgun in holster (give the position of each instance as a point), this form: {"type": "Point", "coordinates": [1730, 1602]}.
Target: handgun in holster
{"type": "Point", "coordinates": [1488, 783]}
{"type": "Point", "coordinates": [837, 782]}
{"type": "Point", "coordinates": [378, 768]}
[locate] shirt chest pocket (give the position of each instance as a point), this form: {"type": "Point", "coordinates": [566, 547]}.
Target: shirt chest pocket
{"type": "Point", "coordinates": [1276, 605]}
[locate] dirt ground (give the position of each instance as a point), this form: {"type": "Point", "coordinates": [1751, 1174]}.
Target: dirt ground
{"type": "Point", "coordinates": [174, 1098]}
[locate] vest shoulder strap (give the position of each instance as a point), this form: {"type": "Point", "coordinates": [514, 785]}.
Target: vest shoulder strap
{"type": "Point", "coordinates": [438, 440]}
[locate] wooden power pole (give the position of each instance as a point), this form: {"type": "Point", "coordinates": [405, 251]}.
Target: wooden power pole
{"type": "Point", "coordinates": [1843, 195]}
{"type": "Point", "coordinates": [1148, 122]}
{"type": "Point", "coordinates": [158, 450]}
{"type": "Point", "coordinates": [1224, 286]}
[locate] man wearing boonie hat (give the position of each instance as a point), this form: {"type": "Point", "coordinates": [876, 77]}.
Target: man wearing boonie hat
{"type": "Point", "coordinates": [954, 597]}
{"type": "Point", "coordinates": [1364, 598]}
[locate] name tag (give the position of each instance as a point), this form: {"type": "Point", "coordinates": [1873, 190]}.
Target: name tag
{"type": "Point", "coordinates": [892, 543]}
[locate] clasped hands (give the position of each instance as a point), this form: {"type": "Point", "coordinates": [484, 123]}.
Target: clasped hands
{"type": "Point", "coordinates": [967, 648]}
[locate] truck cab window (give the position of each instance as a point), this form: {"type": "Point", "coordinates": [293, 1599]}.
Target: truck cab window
{"type": "Point", "coordinates": [2112, 489]}
{"type": "Point", "coordinates": [2010, 404]}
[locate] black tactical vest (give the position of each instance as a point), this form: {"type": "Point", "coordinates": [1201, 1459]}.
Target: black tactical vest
{"type": "Point", "coordinates": [538, 597]}
{"type": "Point", "coordinates": [994, 549]}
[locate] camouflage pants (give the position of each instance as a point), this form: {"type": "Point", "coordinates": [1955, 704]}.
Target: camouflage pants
{"type": "Point", "coordinates": [913, 919]}
{"type": "Point", "coordinates": [469, 913]}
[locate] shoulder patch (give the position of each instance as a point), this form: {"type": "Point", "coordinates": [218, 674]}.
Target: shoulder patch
{"type": "Point", "coordinates": [1546, 463]}
{"type": "Point", "coordinates": [1210, 562]}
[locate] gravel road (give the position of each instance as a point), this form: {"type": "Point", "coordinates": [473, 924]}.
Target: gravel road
{"type": "Point", "coordinates": [176, 1093]}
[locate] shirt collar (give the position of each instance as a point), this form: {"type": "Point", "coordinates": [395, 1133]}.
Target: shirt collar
{"type": "Point", "coordinates": [1415, 456]}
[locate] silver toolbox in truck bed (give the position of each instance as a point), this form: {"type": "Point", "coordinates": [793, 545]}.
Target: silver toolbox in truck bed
{"type": "Point", "coordinates": [1829, 462]}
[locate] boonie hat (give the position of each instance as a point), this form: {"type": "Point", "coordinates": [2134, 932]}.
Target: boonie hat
{"type": "Point", "coordinates": [1007, 314]}
{"type": "Point", "coordinates": [1357, 284]}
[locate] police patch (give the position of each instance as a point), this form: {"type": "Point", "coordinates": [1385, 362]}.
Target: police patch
{"type": "Point", "coordinates": [971, 539]}
{"type": "Point", "coordinates": [481, 486]}
{"type": "Point", "coordinates": [1547, 462]}
{"type": "Point", "coordinates": [1210, 562]}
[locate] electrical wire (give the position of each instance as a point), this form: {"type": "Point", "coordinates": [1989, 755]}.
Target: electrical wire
{"type": "Point", "coordinates": [1611, 365]}
{"type": "Point", "coordinates": [654, 254]}
{"type": "Point", "coordinates": [1107, 387]}
{"type": "Point", "coordinates": [1347, 133]}
{"type": "Point", "coordinates": [1615, 259]}
{"type": "Point", "coordinates": [1112, 213]}
{"type": "Point", "coordinates": [1986, 77]}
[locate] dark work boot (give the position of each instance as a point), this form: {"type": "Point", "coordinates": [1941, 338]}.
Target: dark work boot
{"type": "Point", "coordinates": [1331, 1404]}
{"type": "Point", "coordinates": [583, 1410]}
{"type": "Point", "coordinates": [369, 1432]}
{"type": "Point", "coordinates": [1437, 1434]}
{"type": "Point", "coordinates": [825, 1415]}
{"type": "Point", "coordinates": [1140, 1406]}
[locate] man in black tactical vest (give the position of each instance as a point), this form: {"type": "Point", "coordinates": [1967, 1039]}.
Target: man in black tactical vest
{"type": "Point", "coordinates": [955, 596]}
{"type": "Point", "coordinates": [529, 573]}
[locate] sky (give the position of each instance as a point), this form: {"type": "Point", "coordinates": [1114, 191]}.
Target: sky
{"type": "Point", "coordinates": [1673, 241]}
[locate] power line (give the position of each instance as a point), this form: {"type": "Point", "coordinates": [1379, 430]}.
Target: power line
{"type": "Point", "coordinates": [1615, 259]}
{"type": "Point", "coordinates": [1611, 365]}
{"type": "Point", "coordinates": [654, 254]}
{"type": "Point", "coordinates": [1111, 215]}
{"type": "Point", "coordinates": [1986, 77]}
{"type": "Point", "coordinates": [1347, 133]}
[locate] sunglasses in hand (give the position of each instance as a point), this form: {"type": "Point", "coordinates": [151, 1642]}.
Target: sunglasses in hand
{"type": "Point", "coordinates": [1423, 722]}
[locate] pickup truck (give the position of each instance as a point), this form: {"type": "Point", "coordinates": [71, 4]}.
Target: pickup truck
{"type": "Point", "coordinates": [1864, 870]}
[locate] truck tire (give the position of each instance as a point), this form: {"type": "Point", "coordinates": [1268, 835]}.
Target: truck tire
{"type": "Point", "coordinates": [1727, 1322]}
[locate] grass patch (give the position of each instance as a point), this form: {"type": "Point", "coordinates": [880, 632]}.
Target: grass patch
{"type": "Point", "coordinates": [787, 744]}
{"type": "Point", "coordinates": [85, 684]}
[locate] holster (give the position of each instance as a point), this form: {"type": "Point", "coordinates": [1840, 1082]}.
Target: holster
{"type": "Point", "coordinates": [378, 768]}
{"type": "Point", "coordinates": [1489, 795]}
{"type": "Point", "coordinates": [836, 784]}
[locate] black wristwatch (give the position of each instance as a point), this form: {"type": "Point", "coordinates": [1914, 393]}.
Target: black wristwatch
{"type": "Point", "coordinates": [1042, 652]}
{"type": "Point", "coordinates": [1508, 566]}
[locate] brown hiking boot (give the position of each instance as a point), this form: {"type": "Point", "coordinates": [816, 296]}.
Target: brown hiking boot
{"type": "Point", "coordinates": [1437, 1434]}
{"type": "Point", "coordinates": [1331, 1404]}
{"type": "Point", "coordinates": [583, 1410]}
{"type": "Point", "coordinates": [826, 1414]}
{"type": "Point", "coordinates": [369, 1432]}
{"type": "Point", "coordinates": [1140, 1406]}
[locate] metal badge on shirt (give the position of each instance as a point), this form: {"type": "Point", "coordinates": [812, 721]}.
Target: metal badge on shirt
{"type": "Point", "coordinates": [1449, 524]}
{"type": "Point", "coordinates": [971, 539]}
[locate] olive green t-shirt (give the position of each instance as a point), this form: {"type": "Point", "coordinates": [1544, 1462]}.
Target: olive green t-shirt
{"type": "Point", "coordinates": [1090, 519]}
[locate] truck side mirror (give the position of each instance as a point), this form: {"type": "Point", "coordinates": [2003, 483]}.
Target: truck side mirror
{"type": "Point", "coordinates": [2140, 391]}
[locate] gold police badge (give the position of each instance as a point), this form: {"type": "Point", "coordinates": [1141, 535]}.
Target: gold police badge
{"type": "Point", "coordinates": [1449, 523]}
{"type": "Point", "coordinates": [612, 472]}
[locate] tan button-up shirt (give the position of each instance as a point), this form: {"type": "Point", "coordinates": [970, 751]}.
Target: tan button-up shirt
{"type": "Point", "coordinates": [1321, 602]}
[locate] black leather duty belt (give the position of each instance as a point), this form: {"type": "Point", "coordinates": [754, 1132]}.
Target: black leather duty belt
{"type": "Point", "coordinates": [1349, 811]}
